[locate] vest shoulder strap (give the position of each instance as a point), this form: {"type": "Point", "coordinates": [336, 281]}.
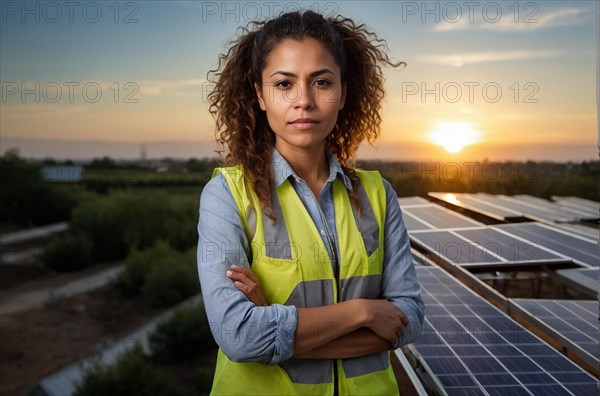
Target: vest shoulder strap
{"type": "Point", "coordinates": [373, 184]}
{"type": "Point", "coordinates": [234, 176]}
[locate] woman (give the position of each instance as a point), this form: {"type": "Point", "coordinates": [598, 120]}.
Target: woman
{"type": "Point", "coordinates": [304, 261]}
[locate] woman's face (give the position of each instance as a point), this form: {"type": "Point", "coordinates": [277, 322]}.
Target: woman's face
{"type": "Point", "coordinates": [301, 93]}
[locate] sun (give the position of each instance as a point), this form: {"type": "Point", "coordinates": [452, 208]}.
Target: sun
{"type": "Point", "coordinates": [453, 136]}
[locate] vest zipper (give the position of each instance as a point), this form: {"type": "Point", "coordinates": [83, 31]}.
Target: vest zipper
{"type": "Point", "coordinates": [333, 248]}
{"type": "Point", "coordinates": [336, 273]}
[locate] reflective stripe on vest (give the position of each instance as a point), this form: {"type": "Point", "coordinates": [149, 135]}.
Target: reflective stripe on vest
{"type": "Point", "coordinates": [294, 268]}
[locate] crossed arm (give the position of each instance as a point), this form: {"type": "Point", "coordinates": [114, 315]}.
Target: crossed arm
{"type": "Point", "coordinates": [361, 327]}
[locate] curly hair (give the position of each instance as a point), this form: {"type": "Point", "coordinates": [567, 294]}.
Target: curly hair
{"type": "Point", "coordinates": [242, 127]}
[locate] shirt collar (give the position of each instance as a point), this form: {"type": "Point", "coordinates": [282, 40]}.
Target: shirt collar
{"type": "Point", "coordinates": [282, 170]}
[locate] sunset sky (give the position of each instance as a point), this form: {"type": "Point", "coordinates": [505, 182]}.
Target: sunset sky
{"type": "Point", "coordinates": [517, 79]}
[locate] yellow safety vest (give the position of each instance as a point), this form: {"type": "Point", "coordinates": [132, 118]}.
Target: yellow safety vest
{"type": "Point", "coordinates": [293, 267]}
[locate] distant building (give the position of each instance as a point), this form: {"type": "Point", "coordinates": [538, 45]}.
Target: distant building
{"type": "Point", "coordinates": [62, 173]}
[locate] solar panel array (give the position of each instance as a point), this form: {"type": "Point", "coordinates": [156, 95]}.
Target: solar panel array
{"type": "Point", "coordinates": [460, 240]}
{"type": "Point", "coordinates": [574, 323]}
{"type": "Point", "coordinates": [473, 348]}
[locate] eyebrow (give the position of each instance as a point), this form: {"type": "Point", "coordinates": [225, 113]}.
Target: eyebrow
{"type": "Point", "coordinates": [313, 74]}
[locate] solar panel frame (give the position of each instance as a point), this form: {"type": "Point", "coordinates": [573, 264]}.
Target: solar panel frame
{"type": "Point", "coordinates": [572, 323]}
{"type": "Point", "coordinates": [419, 258]}
{"type": "Point", "coordinates": [462, 357]}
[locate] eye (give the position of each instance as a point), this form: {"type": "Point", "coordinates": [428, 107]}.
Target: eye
{"type": "Point", "coordinates": [322, 83]}
{"type": "Point", "coordinates": [284, 84]}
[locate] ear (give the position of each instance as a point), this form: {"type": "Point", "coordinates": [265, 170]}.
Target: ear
{"type": "Point", "coordinates": [261, 100]}
{"type": "Point", "coordinates": [342, 97]}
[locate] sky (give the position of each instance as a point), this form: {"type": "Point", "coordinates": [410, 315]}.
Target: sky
{"type": "Point", "coordinates": [495, 80]}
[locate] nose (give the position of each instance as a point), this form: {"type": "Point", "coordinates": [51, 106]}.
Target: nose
{"type": "Point", "coordinates": [304, 97]}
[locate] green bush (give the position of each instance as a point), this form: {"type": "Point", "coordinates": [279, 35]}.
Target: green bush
{"type": "Point", "coordinates": [127, 219]}
{"type": "Point", "coordinates": [26, 199]}
{"type": "Point", "coordinates": [131, 375]}
{"type": "Point", "coordinates": [68, 253]}
{"type": "Point", "coordinates": [171, 282]}
{"type": "Point", "coordinates": [161, 275]}
{"type": "Point", "coordinates": [184, 335]}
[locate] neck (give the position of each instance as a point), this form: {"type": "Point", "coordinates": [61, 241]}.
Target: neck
{"type": "Point", "coordinates": [308, 163]}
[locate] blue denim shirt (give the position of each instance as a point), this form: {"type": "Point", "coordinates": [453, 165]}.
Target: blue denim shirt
{"type": "Point", "coordinates": [246, 332]}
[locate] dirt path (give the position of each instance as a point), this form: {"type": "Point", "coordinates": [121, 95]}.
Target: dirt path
{"type": "Point", "coordinates": [38, 342]}
{"type": "Point", "coordinates": [47, 292]}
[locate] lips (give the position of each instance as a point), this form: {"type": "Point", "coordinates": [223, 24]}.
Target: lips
{"type": "Point", "coordinates": [304, 121]}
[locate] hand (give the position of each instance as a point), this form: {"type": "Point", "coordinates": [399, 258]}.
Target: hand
{"type": "Point", "coordinates": [246, 282]}
{"type": "Point", "coordinates": [385, 319]}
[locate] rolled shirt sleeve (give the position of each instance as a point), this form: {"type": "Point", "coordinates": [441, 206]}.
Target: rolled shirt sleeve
{"type": "Point", "coordinates": [243, 331]}
{"type": "Point", "coordinates": [399, 281]}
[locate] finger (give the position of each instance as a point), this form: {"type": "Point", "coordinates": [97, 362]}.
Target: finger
{"type": "Point", "coordinates": [245, 271]}
{"type": "Point", "coordinates": [243, 288]}
{"type": "Point", "coordinates": [399, 332]}
{"type": "Point", "coordinates": [404, 319]}
{"type": "Point", "coordinates": [236, 276]}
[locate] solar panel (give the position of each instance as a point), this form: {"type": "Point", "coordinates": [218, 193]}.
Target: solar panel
{"type": "Point", "coordinates": [453, 248]}
{"type": "Point", "coordinates": [412, 201]}
{"type": "Point", "coordinates": [484, 247]}
{"type": "Point", "coordinates": [573, 323]}
{"type": "Point", "coordinates": [506, 246]}
{"type": "Point", "coordinates": [581, 204]}
{"type": "Point", "coordinates": [526, 209]}
{"type": "Point", "coordinates": [436, 217]}
{"type": "Point", "coordinates": [475, 205]}
{"type": "Point", "coordinates": [471, 347]}
{"type": "Point", "coordinates": [585, 280]}
{"type": "Point", "coordinates": [413, 223]}
{"type": "Point", "coordinates": [578, 228]}
{"type": "Point", "coordinates": [557, 207]}
{"type": "Point", "coordinates": [582, 250]}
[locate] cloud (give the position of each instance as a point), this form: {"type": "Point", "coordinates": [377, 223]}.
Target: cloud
{"type": "Point", "coordinates": [459, 60]}
{"type": "Point", "coordinates": [27, 110]}
{"type": "Point", "coordinates": [510, 21]}
{"type": "Point", "coordinates": [177, 87]}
